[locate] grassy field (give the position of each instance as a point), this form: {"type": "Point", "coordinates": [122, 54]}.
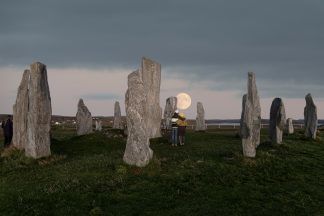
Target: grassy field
{"type": "Point", "coordinates": [208, 176]}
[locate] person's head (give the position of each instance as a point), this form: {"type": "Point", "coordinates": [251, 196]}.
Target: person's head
{"type": "Point", "coordinates": [9, 117]}
{"type": "Point", "coordinates": [176, 111]}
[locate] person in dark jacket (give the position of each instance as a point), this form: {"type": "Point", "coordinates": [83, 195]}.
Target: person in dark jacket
{"type": "Point", "coordinates": [8, 131]}
{"type": "Point", "coordinates": [174, 132]}
{"type": "Point", "coordinates": [3, 130]}
{"type": "Point", "coordinates": [182, 124]}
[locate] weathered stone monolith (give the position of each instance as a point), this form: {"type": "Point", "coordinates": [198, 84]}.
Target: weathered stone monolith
{"type": "Point", "coordinates": [200, 119]}
{"type": "Point", "coordinates": [170, 108]}
{"type": "Point", "coordinates": [150, 74]}
{"type": "Point", "coordinates": [250, 118]}
{"type": "Point", "coordinates": [20, 110]}
{"type": "Point", "coordinates": [310, 117]}
{"type": "Point", "coordinates": [290, 126]}
{"type": "Point", "coordinates": [98, 125]}
{"type": "Point", "coordinates": [118, 124]}
{"type": "Point", "coordinates": [246, 125]}
{"type": "Point", "coordinates": [39, 113]}
{"type": "Point", "coordinates": [137, 150]}
{"type": "Point", "coordinates": [83, 119]}
{"type": "Point", "coordinates": [277, 121]}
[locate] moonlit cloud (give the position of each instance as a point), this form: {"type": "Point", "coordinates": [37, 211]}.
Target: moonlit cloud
{"type": "Point", "coordinates": [101, 88]}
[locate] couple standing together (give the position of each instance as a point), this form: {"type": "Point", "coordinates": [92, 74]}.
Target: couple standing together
{"type": "Point", "coordinates": [179, 125]}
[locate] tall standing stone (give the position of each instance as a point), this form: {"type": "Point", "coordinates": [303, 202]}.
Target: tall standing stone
{"type": "Point", "coordinates": [83, 119]}
{"type": "Point", "coordinates": [118, 124]}
{"type": "Point", "coordinates": [137, 150]}
{"type": "Point", "coordinates": [20, 110]}
{"type": "Point", "coordinates": [250, 118]}
{"type": "Point", "coordinates": [290, 126]}
{"type": "Point", "coordinates": [150, 74]}
{"type": "Point", "coordinates": [98, 125]}
{"type": "Point", "coordinates": [277, 120]}
{"type": "Point", "coordinates": [310, 117]}
{"type": "Point", "coordinates": [200, 119]}
{"type": "Point", "coordinates": [39, 113]}
{"type": "Point", "coordinates": [246, 125]}
{"type": "Point", "coordinates": [170, 108]}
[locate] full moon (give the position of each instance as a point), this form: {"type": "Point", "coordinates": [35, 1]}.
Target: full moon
{"type": "Point", "coordinates": [183, 101]}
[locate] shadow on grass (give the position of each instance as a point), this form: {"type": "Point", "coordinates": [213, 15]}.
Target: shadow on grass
{"type": "Point", "coordinates": [95, 143]}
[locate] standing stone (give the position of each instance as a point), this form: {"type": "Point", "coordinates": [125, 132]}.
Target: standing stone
{"type": "Point", "coordinates": [83, 119]}
{"type": "Point", "coordinates": [250, 118]}
{"type": "Point", "coordinates": [310, 115]}
{"type": "Point", "coordinates": [150, 74]}
{"type": "Point", "coordinates": [290, 126]}
{"type": "Point", "coordinates": [39, 113]}
{"type": "Point", "coordinates": [98, 125]}
{"type": "Point", "coordinates": [277, 120]}
{"type": "Point", "coordinates": [137, 150]}
{"type": "Point", "coordinates": [246, 125]}
{"type": "Point", "coordinates": [118, 124]}
{"type": "Point", "coordinates": [253, 97]}
{"type": "Point", "coordinates": [20, 110]}
{"type": "Point", "coordinates": [170, 108]}
{"type": "Point", "coordinates": [200, 119]}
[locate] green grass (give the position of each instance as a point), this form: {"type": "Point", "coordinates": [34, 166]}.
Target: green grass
{"type": "Point", "coordinates": [208, 176]}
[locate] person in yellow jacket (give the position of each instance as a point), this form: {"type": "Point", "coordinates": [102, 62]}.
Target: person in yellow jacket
{"type": "Point", "coordinates": [182, 124]}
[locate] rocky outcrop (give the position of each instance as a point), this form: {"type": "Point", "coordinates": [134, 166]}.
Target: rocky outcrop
{"type": "Point", "coordinates": [20, 110]}
{"type": "Point", "coordinates": [200, 119]}
{"type": "Point", "coordinates": [83, 119]}
{"type": "Point", "coordinates": [310, 117]}
{"type": "Point", "coordinates": [170, 108]}
{"type": "Point", "coordinates": [277, 121]}
{"type": "Point", "coordinates": [250, 118]}
{"type": "Point", "coordinates": [39, 113]}
{"type": "Point", "coordinates": [118, 124]}
{"type": "Point", "coordinates": [137, 150]}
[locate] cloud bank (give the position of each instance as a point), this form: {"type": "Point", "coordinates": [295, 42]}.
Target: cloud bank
{"type": "Point", "coordinates": [204, 46]}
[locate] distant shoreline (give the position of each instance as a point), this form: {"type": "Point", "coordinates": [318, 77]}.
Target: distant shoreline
{"type": "Point", "coordinates": [208, 121]}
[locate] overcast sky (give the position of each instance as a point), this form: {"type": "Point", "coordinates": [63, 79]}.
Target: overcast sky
{"type": "Point", "coordinates": [205, 47]}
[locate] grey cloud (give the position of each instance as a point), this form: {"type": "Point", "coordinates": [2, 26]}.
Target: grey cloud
{"type": "Point", "coordinates": [208, 39]}
{"type": "Point", "coordinates": [271, 80]}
